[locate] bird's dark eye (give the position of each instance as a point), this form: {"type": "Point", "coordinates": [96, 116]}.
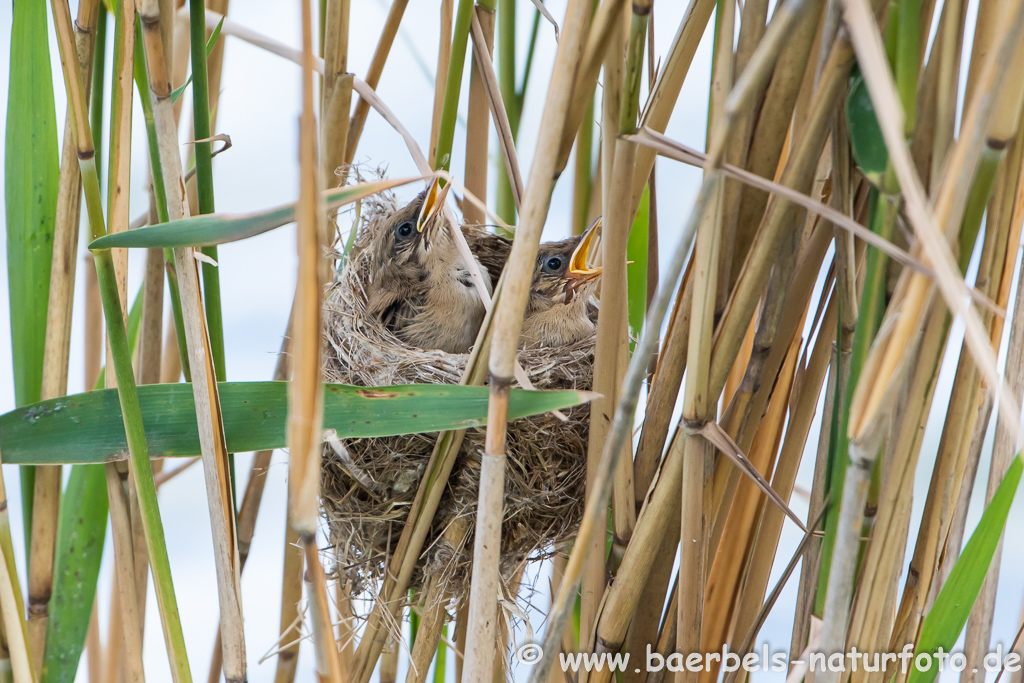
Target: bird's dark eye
{"type": "Point", "coordinates": [553, 264]}
{"type": "Point", "coordinates": [405, 230]}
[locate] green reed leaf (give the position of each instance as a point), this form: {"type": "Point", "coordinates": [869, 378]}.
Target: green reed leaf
{"type": "Point", "coordinates": [945, 621]}
{"type": "Point", "coordinates": [218, 228]}
{"type": "Point", "coordinates": [88, 428]}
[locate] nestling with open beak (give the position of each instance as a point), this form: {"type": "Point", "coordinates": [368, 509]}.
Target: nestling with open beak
{"type": "Point", "coordinates": [421, 288]}
{"type": "Point", "coordinates": [558, 309]}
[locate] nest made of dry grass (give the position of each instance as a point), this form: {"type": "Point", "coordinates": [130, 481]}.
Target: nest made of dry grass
{"type": "Point", "coordinates": [545, 468]}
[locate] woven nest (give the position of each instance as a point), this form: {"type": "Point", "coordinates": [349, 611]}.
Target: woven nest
{"type": "Point", "coordinates": [545, 468]}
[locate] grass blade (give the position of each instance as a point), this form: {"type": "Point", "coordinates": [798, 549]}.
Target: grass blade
{"type": "Point", "coordinates": [213, 229]}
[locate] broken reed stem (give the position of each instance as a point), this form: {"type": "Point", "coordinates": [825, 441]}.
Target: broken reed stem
{"type": "Point", "coordinates": [117, 338]}
{"type": "Point", "coordinates": [508, 321]}
{"type": "Point", "coordinates": [56, 352]}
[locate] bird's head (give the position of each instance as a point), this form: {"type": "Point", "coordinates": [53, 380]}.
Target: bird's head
{"type": "Point", "coordinates": [561, 274]}
{"type": "Point", "coordinates": [403, 248]}
{"type": "Point", "coordinates": [406, 239]}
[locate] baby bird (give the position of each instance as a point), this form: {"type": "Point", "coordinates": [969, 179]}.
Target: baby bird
{"type": "Point", "coordinates": [558, 313]}
{"type": "Point", "coordinates": [421, 289]}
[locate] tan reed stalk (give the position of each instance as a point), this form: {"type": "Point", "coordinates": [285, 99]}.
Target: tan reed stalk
{"type": "Point", "coordinates": [12, 609]}
{"type": "Point", "coordinates": [806, 390]}
{"type": "Point", "coordinates": [373, 73]}
{"type": "Point", "coordinates": [336, 95]}
{"type": "Point", "coordinates": [117, 204]}
{"type": "Point", "coordinates": [180, 55]}
{"type": "Point", "coordinates": [461, 622]}
{"type": "Point", "coordinates": [389, 662]}
{"type": "Point", "coordinates": [492, 91]}
{"type": "Point", "coordinates": [645, 622]}
{"type": "Point", "coordinates": [444, 52]}
{"type": "Point", "coordinates": [119, 149]}
{"type": "Point", "coordinates": [650, 525]}
{"type": "Point", "coordinates": [211, 430]}
{"type": "Point", "coordinates": [151, 331]}
{"type": "Point", "coordinates": [798, 175]}
{"type": "Point", "coordinates": [667, 635]}
{"type": "Point", "coordinates": [771, 347]}
{"type": "Point", "coordinates": [809, 571]}
{"type": "Point", "coordinates": [291, 594]}
{"type": "Point", "coordinates": [477, 126]}
{"type": "Point", "coordinates": [872, 619]}
{"type": "Point", "coordinates": [748, 641]}
{"type": "Point", "coordinates": [727, 570]}
{"type": "Point", "coordinates": [655, 529]}
{"type": "Point", "coordinates": [508, 322]}
{"type": "Point", "coordinates": [752, 28]}
{"type": "Point", "coordinates": [663, 98]}
{"type": "Point", "coordinates": [93, 646]}
{"type": "Point", "coordinates": [949, 44]}
{"type": "Point", "coordinates": [608, 350]}
{"type": "Point", "coordinates": [699, 404]}
{"type": "Point", "coordinates": [47, 490]}
{"type": "Point", "coordinates": [769, 132]}
{"type": "Point", "coordinates": [328, 665]}
{"type": "Point", "coordinates": [170, 363]}
{"type": "Point", "coordinates": [115, 644]}
{"type": "Point", "coordinates": [614, 306]}
{"type": "Point", "coordinates": [607, 19]}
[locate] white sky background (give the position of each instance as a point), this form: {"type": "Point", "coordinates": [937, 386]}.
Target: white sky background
{"type": "Point", "coordinates": [259, 108]}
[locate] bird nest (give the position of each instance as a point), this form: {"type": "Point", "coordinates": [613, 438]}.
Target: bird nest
{"type": "Point", "coordinates": [367, 490]}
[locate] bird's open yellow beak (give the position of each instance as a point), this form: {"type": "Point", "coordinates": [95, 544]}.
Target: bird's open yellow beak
{"type": "Point", "coordinates": [578, 267]}
{"type": "Point", "coordinates": [433, 205]}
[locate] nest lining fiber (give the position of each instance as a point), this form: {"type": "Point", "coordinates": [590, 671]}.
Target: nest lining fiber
{"type": "Point", "coordinates": [545, 469]}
